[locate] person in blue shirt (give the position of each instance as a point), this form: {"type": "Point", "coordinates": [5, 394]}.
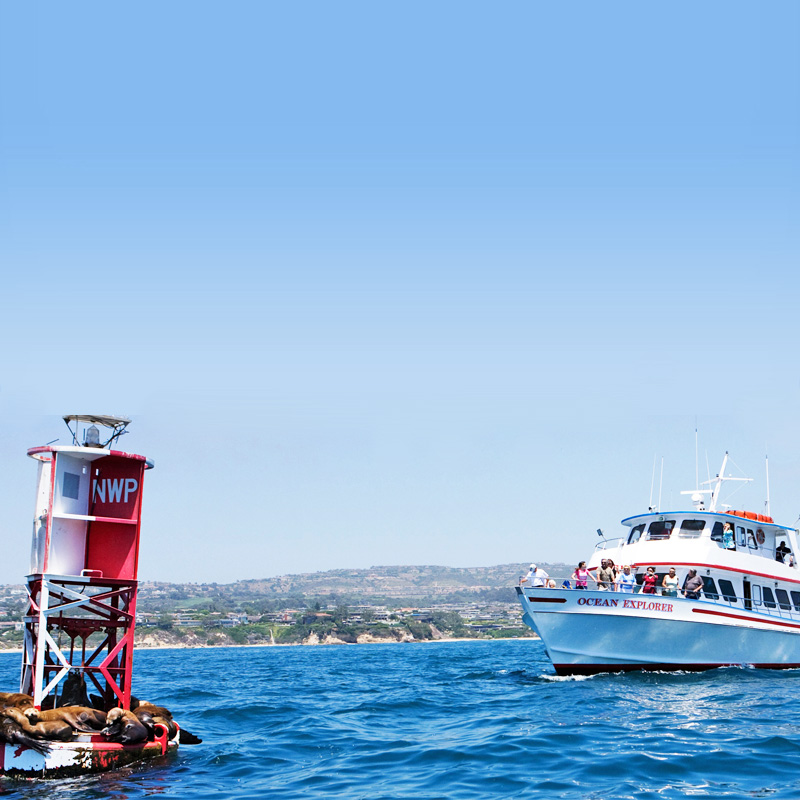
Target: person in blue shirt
{"type": "Point", "coordinates": [626, 581]}
{"type": "Point", "coordinates": [727, 537]}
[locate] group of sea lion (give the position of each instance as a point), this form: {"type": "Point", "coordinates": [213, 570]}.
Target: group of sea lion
{"type": "Point", "coordinates": [138, 724]}
{"type": "Point", "coordinates": [21, 723]}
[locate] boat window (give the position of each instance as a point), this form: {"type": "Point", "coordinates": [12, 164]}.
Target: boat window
{"type": "Point", "coordinates": [716, 533]}
{"type": "Point", "coordinates": [635, 534]}
{"type": "Point", "coordinates": [783, 599]}
{"type": "Point", "coordinates": [726, 587]}
{"type": "Point", "coordinates": [709, 588]}
{"type": "Point", "coordinates": [692, 527]}
{"type": "Point", "coordinates": [661, 530]}
{"type": "Point", "coordinates": [741, 539]}
{"type": "Point", "coordinates": [795, 600]}
{"type": "Point", "coordinates": [751, 540]}
{"type": "Point", "coordinates": [769, 598]}
{"type": "Point", "coordinates": [755, 595]}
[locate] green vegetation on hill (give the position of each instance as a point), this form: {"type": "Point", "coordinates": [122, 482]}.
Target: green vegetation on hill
{"type": "Point", "coordinates": [389, 585]}
{"type": "Point", "coordinates": [401, 603]}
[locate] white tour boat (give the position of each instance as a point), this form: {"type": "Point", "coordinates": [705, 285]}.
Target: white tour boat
{"type": "Point", "coordinates": [747, 613]}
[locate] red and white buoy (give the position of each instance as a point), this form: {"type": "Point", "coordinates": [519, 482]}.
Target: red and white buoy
{"type": "Point", "coordinates": [82, 592]}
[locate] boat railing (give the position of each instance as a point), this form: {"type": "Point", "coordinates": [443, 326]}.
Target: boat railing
{"type": "Point", "coordinates": [771, 609]}
{"type": "Point", "coordinates": [610, 544]}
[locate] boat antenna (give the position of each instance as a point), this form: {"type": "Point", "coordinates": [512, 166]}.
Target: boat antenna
{"type": "Point", "coordinates": [652, 483]}
{"type": "Point", "coordinates": [716, 484]}
{"type": "Point", "coordinates": [696, 458]}
{"type": "Point", "coordinates": [661, 482]}
{"type": "Point", "coordinates": [766, 459]}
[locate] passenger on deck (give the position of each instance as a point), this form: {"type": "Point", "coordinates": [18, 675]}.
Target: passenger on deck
{"type": "Point", "coordinates": [669, 586]}
{"type": "Point", "coordinates": [536, 575]}
{"type": "Point", "coordinates": [625, 580]}
{"type": "Point", "coordinates": [649, 581]}
{"type": "Point", "coordinates": [581, 576]}
{"type": "Point", "coordinates": [529, 574]}
{"type": "Point", "coordinates": [605, 576]}
{"type": "Point", "coordinates": [692, 585]}
{"type": "Point", "coordinates": [727, 537]}
{"type": "Point", "coordinates": [781, 551]}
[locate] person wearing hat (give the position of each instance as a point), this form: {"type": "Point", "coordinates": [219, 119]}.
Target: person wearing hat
{"type": "Point", "coordinates": [536, 576]}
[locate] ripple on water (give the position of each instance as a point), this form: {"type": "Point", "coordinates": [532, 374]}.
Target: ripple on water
{"type": "Point", "coordinates": [462, 721]}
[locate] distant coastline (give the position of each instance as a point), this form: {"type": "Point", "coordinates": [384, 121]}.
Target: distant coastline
{"type": "Point", "coordinates": [380, 604]}
{"type": "Point", "coordinates": [142, 647]}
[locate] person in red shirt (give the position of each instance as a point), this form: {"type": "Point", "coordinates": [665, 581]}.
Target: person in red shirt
{"type": "Point", "coordinates": [649, 581]}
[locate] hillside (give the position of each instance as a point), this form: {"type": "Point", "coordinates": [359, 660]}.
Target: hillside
{"type": "Point", "coordinates": [428, 585]}
{"type": "Point", "coordinates": [387, 603]}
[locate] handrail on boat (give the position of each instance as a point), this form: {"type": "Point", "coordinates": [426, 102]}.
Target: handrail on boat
{"type": "Point", "coordinates": [607, 544]}
{"type": "Point", "coordinates": [775, 609]}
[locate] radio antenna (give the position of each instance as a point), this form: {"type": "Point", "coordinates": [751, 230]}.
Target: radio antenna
{"type": "Point", "coordinates": [652, 484]}
{"type": "Point", "coordinates": [766, 459]}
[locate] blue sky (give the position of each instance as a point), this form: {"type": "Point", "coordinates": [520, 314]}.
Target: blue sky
{"type": "Point", "coordinates": [410, 283]}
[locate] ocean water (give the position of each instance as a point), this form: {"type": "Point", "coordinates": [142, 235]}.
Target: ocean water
{"type": "Point", "coordinates": [451, 720]}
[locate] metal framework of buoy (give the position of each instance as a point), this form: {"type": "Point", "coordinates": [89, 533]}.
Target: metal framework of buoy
{"type": "Point", "coordinates": [84, 561]}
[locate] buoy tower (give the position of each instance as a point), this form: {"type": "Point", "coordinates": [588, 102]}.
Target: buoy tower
{"type": "Point", "coordinates": [84, 564]}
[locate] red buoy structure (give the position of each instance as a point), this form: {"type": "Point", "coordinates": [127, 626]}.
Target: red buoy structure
{"type": "Point", "coordinates": [81, 615]}
{"type": "Point", "coordinates": [84, 563]}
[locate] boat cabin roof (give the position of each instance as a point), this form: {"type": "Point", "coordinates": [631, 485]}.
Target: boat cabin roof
{"type": "Point", "coordinates": [738, 518]}
{"type": "Point", "coordinates": [100, 419]}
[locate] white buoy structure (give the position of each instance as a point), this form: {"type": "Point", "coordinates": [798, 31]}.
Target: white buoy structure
{"type": "Point", "coordinates": [82, 587]}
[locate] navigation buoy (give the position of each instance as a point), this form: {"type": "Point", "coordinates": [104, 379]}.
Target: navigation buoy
{"type": "Point", "coordinates": [81, 616]}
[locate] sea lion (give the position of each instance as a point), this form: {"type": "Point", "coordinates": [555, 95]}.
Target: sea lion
{"type": "Point", "coordinates": [15, 699]}
{"type": "Point", "coordinates": [73, 690]}
{"type": "Point", "coordinates": [162, 715]}
{"type": "Point", "coordinates": [81, 718]}
{"type": "Point", "coordinates": [184, 737]}
{"type": "Point", "coordinates": [57, 729]}
{"type": "Point", "coordinates": [11, 733]}
{"type": "Point", "coordinates": [157, 714]}
{"type": "Point", "coordinates": [125, 727]}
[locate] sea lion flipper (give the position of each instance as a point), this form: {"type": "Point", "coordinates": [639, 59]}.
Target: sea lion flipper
{"type": "Point", "coordinates": [184, 737]}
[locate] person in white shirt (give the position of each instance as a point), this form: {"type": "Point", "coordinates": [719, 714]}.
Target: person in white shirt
{"type": "Point", "coordinates": [536, 576]}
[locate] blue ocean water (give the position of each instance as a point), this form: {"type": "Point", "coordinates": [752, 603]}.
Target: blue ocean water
{"type": "Point", "coordinates": [451, 720]}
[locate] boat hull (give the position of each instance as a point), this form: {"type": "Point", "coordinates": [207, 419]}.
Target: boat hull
{"type": "Point", "coordinates": [587, 632]}
{"type": "Point", "coordinates": [71, 759]}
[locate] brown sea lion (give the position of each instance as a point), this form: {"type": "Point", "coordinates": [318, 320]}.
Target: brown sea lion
{"type": "Point", "coordinates": [58, 730]}
{"type": "Point", "coordinates": [11, 733]}
{"type": "Point", "coordinates": [125, 727]}
{"type": "Point", "coordinates": [81, 718]}
{"type": "Point", "coordinates": [15, 699]}
{"type": "Point", "coordinates": [158, 714]}
{"type": "Point", "coordinates": [162, 715]}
